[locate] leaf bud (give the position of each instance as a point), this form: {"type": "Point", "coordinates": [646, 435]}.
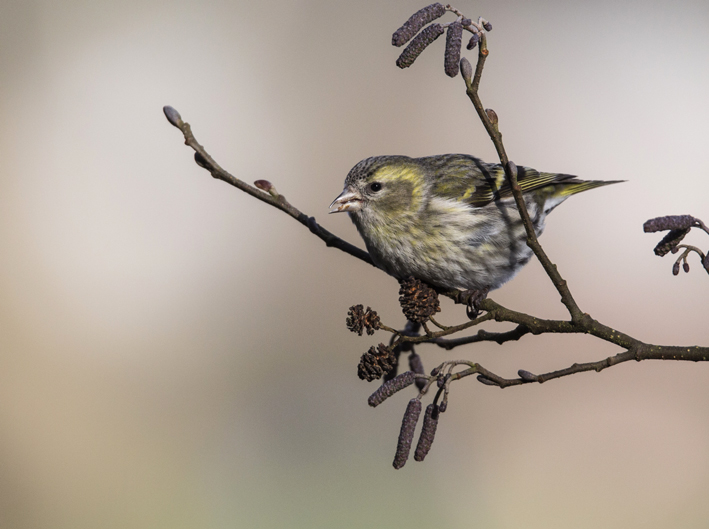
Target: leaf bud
{"type": "Point", "coordinates": [173, 116]}
{"type": "Point", "coordinates": [491, 115]}
{"type": "Point", "coordinates": [263, 185]}
{"type": "Point", "coordinates": [527, 376]}
{"type": "Point", "coordinates": [487, 381]}
{"type": "Point", "coordinates": [466, 70]}
{"type": "Point", "coordinates": [201, 161]}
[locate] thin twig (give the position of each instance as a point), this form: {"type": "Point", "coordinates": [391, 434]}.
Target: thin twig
{"type": "Point", "coordinates": [484, 336]}
{"type": "Point", "coordinates": [273, 198]}
{"type": "Point", "coordinates": [510, 170]}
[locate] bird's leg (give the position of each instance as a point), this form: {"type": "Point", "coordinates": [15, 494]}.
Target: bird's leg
{"type": "Point", "coordinates": [475, 297]}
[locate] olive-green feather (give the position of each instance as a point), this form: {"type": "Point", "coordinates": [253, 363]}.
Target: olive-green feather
{"type": "Point", "coordinates": [468, 179]}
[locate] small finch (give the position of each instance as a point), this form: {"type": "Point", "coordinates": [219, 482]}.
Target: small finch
{"type": "Point", "coordinates": [449, 220]}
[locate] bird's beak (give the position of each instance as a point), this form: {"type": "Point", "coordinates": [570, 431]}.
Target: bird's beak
{"type": "Point", "coordinates": [349, 200]}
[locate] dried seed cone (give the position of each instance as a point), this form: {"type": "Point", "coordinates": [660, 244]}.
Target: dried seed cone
{"type": "Point", "coordinates": [390, 387]}
{"type": "Point", "coordinates": [375, 363]}
{"type": "Point", "coordinates": [371, 321]}
{"type": "Point", "coordinates": [414, 24]}
{"type": "Point", "coordinates": [359, 320]}
{"type": "Point", "coordinates": [355, 317]}
{"type": "Point", "coordinates": [413, 50]}
{"type": "Point", "coordinates": [406, 435]}
{"type": "Point", "coordinates": [428, 432]}
{"type": "Point", "coordinates": [418, 301]}
{"type": "Point", "coordinates": [454, 39]}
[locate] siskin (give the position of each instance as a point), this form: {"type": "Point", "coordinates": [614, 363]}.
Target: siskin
{"type": "Point", "coordinates": [449, 220]}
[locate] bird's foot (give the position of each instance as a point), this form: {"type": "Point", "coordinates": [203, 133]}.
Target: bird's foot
{"type": "Point", "coordinates": [475, 298]}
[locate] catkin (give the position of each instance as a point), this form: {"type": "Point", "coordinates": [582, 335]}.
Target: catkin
{"type": "Point", "coordinates": [428, 432]}
{"type": "Point", "coordinates": [454, 39]}
{"type": "Point", "coordinates": [390, 387]}
{"type": "Point", "coordinates": [423, 39]}
{"type": "Point", "coordinates": [408, 425]}
{"type": "Point", "coordinates": [414, 24]}
{"type": "Point", "coordinates": [670, 222]}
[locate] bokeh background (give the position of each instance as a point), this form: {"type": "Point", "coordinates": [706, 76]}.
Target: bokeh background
{"type": "Point", "coordinates": [173, 353]}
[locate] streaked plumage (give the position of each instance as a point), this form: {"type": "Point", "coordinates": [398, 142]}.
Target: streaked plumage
{"type": "Point", "coordinates": [449, 220]}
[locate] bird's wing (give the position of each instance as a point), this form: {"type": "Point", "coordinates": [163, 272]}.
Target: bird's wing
{"type": "Point", "coordinates": [470, 180]}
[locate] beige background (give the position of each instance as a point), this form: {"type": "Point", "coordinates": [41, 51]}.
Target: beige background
{"type": "Point", "coordinates": [173, 353]}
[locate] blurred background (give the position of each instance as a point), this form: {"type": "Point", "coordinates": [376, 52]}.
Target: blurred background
{"type": "Point", "coordinates": [173, 353]}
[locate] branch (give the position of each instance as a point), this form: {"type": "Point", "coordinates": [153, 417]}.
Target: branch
{"type": "Point", "coordinates": [490, 121]}
{"type": "Point", "coordinates": [484, 336]}
{"type": "Point", "coordinates": [638, 353]}
{"type": "Point", "coordinates": [264, 190]}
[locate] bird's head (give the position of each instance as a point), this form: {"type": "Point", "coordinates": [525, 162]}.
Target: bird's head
{"type": "Point", "coordinates": [387, 186]}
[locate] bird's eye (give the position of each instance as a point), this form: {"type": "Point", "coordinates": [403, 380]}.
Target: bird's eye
{"type": "Point", "coordinates": [376, 186]}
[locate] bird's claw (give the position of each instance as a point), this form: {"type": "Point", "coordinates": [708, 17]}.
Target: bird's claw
{"type": "Point", "coordinates": [475, 298]}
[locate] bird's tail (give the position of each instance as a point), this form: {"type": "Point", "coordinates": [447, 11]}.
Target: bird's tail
{"type": "Point", "coordinates": [570, 187]}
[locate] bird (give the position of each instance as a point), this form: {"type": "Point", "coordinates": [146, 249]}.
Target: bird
{"type": "Point", "coordinates": [450, 220]}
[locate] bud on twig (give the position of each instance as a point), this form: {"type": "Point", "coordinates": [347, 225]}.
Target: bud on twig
{"type": "Point", "coordinates": [466, 70]}
{"type": "Point", "coordinates": [428, 432]}
{"type": "Point", "coordinates": [201, 161]}
{"type": "Point", "coordinates": [406, 435]}
{"type": "Point", "coordinates": [173, 116]}
{"type": "Point", "coordinates": [487, 381]}
{"type": "Point", "coordinates": [492, 116]}
{"type": "Point", "coordinates": [685, 267]}
{"type": "Point", "coordinates": [675, 269]}
{"type": "Point", "coordinates": [527, 376]}
{"type": "Point", "coordinates": [390, 387]}
{"type": "Point", "coordinates": [414, 24]}
{"type": "Point", "coordinates": [263, 185]}
{"type": "Point", "coordinates": [473, 41]}
{"type": "Point", "coordinates": [422, 40]}
{"type": "Point", "coordinates": [454, 39]}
